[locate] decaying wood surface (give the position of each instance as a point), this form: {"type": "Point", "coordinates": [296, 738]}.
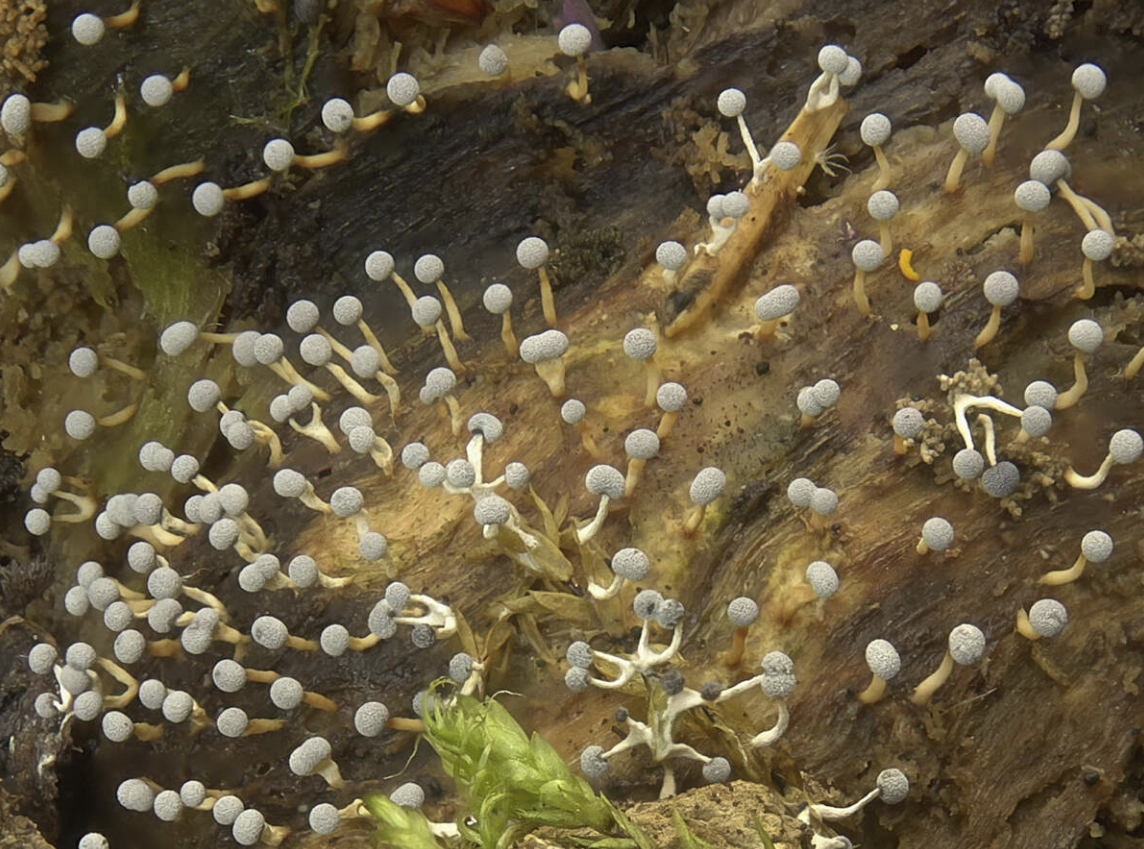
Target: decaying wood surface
{"type": "Point", "coordinates": [1038, 745]}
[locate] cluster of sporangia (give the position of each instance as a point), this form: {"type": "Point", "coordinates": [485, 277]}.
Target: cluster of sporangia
{"type": "Point", "coordinates": [182, 620]}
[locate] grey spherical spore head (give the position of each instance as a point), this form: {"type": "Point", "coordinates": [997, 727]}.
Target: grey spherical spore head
{"type": "Point", "coordinates": [177, 706]}
{"type": "Point", "coordinates": [79, 424]}
{"type": "Point", "coordinates": [346, 501]}
{"type": "Point", "coordinates": [1085, 335]}
{"type": "Point", "coordinates": [731, 102]}
{"type": "Point", "coordinates": [491, 510]}
{"type": "Point", "coordinates": [151, 693]}
{"type": "Point", "coordinates": [579, 655]}
{"type": "Point", "coordinates": [640, 343]}
{"type": "Point", "coordinates": [497, 298]}
{"type": "Point", "coordinates": [422, 636]}
{"type": "Point", "coordinates": [45, 706]}
{"type": "Point", "coordinates": [1089, 81]}
{"type": "Point", "coordinates": [641, 444]}
{"type": "Point", "coordinates": [102, 592]}
{"type": "Point", "coordinates": [823, 501]}
{"type": "Point", "coordinates": [337, 115]}
{"type": "Point", "coordinates": [971, 132]}
{"type": "Point", "coordinates": [117, 727]}
{"type": "Point", "coordinates": [223, 534]}
{"type": "Point", "coordinates": [883, 205]}
{"type": "Point", "coordinates": [408, 795]}
{"type": "Point", "coordinates": [937, 533]}
{"type": "Point", "coordinates": [487, 425]}
{"type": "Point", "coordinates": [1032, 196]}
{"type": "Point", "coordinates": [403, 89]}
{"type": "Point", "coordinates": [1001, 480]}
{"type": "Point", "coordinates": [315, 349]}
{"type": "Point", "coordinates": [893, 786]}
{"type": "Point", "coordinates": [226, 809]}
{"type": "Point", "coordinates": [968, 464]}
{"type": "Point", "coordinates": [966, 644]}
{"type": "Point", "coordinates": [606, 480]}
{"type": "Point", "coordinates": [592, 762]}
{"type": "Point", "coordinates": [1097, 245]}
{"type": "Point", "coordinates": [381, 621]}
{"type": "Point", "coordinates": [87, 572]}
{"type": "Point", "coordinates": [372, 546]}
{"type": "Point", "coordinates": [786, 155]}
{"type": "Point", "coordinates": [167, 805]}
{"type": "Point", "coordinates": [1048, 166]}
{"type": "Point", "coordinates": [671, 397]}
{"type": "Point", "coordinates": [777, 303]}
{"type": "Point", "coordinates": [87, 706]}
{"type": "Point", "coordinates": [717, 770]}
{"type": "Point", "coordinates": [631, 564]}
{"type": "Point", "coordinates": [670, 613]}
{"type": "Point", "coordinates": [1036, 421]}
{"type": "Point", "coordinates": [883, 659]}
{"type": "Point", "coordinates": [184, 468]}
{"type": "Point", "coordinates": [671, 255]}
{"type": "Point", "coordinates": [460, 473]}
{"type": "Point", "coordinates": [707, 485]}
{"type": "Point", "coordinates": [742, 611]}
{"type": "Point", "coordinates": [370, 719]}
{"type": "Point", "coordinates": [289, 483]}
{"type": "Point", "coordinates": [347, 310]}
{"type": "Point", "coordinates": [927, 296]}
{"type": "Point", "coordinates": [414, 455]}
{"type": "Point", "coordinates": [397, 595]}
{"type": "Point", "coordinates": [362, 439]}
{"type": "Point", "coordinates": [228, 676]}
{"type": "Point", "coordinates": [776, 663]}
{"type": "Point", "coordinates": [549, 345]}
{"type": "Point", "coordinates": [428, 269]}
{"type": "Point", "coordinates": [379, 265]}
{"type": "Point", "coordinates": [808, 403]}
{"type": "Point", "coordinates": [867, 255]}
{"type": "Point", "coordinates": [778, 685]}
{"type": "Point", "coordinates": [303, 570]}
{"type": "Point", "coordinates": [492, 61]}
{"type": "Point", "coordinates": [1048, 617]}
{"type": "Point", "coordinates": [460, 667]}
{"type": "Point", "coordinates": [38, 522]}
{"type": "Point", "coordinates": [74, 681]}
{"type": "Point", "coordinates": [826, 392]}
{"type": "Point", "coordinates": [286, 693]}
{"type": "Point", "coordinates": [1096, 546]}
{"type": "Point", "coordinates": [426, 310]}
{"type": "Point", "coordinates": [162, 615]}
{"type": "Point", "coordinates": [323, 818]}
{"type": "Point", "coordinates": [532, 253]}
{"type": "Point", "coordinates": [440, 382]}
{"type": "Point", "coordinates": [736, 204]}
{"type": "Point", "coordinates": [269, 632]}
{"type": "Point", "coordinates": [334, 640]}
{"type": "Point", "coordinates": [576, 679]}
{"type": "Point", "coordinates": [306, 757]}
{"type": "Point", "coordinates": [41, 657]}
{"type": "Point", "coordinates": [352, 417]}
{"type": "Point", "coordinates": [164, 582]}
{"type": "Point", "coordinates": [800, 491]}
{"type": "Point", "coordinates": [516, 475]}
{"type": "Point", "coordinates": [572, 411]}
{"type": "Point", "coordinates": [134, 795]}
{"type": "Point", "coordinates": [280, 408]}
{"type": "Point", "coordinates": [1125, 446]}
{"type": "Point", "coordinates": [80, 656]}
{"type": "Point", "coordinates": [247, 827]}
{"type": "Point", "coordinates": [202, 395]}
{"type": "Point", "coordinates": [302, 316]}
{"type": "Point", "coordinates": [822, 579]}
{"type": "Point", "coordinates": [431, 474]}
{"type": "Point", "coordinates": [192, 793]}
{"type": "Point", "coordinates": [646, 604]}
{"type": "Point", "coordinates": [232, 722]}
{"type": "Point", "coordinates": [1001, 288]}
{"type": "Point", "coordinates": [83, 362]}
{"type": "Point", "coordinates": [875, 129]}
{"type": "Point", "coordinates": [103, 241]}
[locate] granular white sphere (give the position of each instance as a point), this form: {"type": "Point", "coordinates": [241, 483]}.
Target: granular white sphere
{"type": "Point", "coordinates": [707, 485]}
{"type": "Point", "coordinates": [852, 74]}
{"type": "Point", "coordinates": [430, 474]}
{"type": "Point", "coordinates": [426, 310]}
{"type": "Point", "coordinates": [207, 199]}
{"type": "Point", "coordinates": [90, 142]}
{"type": "Point", "coordinates": [1001, 288]}
{"type": "Point", "coordinates": [226, 810]}
{"type": "Point", "coordinates": [516, 475]}
{"type": "Point", "coordinates": [286, 693]}
{"type": "Point", "coordinates": [16, 114]}
{"type": "Point", "coordinates": [742, 611]}
{"type": "Point", "coordinates": [716, 770]}
{"type": "Point", "coordinates": [347, 501]}
{"type": "Point", "coordinates": [549, 345]}
{"type": "Point", "coordinates": [493, 62]}
{"type": "Point", "coordinates": [937, 533]}
{"type": "Point", "coordinates": [1096, 546]}
{"type": "Point", "coordinates": [497, 298]}
{"type": "Point", "coordinates": [1010, 97]}
{"type": "Point", "coordinates": [167, 805]}
{"type": "Point", "coordinates": [372, 546]}
{"type": "Point", "coordinates": [800, 491]}
{"type": "Point", "coordinates": [1097, 245]}
{"type": "Point", "coordinates": [893, 786]}
{"type": "Point", "coordinates": [129, 644]}
{"type": "Point", "coordinates": [966, 644]}
{"type": "Point", "coordinates": [927, 296]}
{"type": "Point", "coordinates": [177, 706]}
{"type": "Point", "coordinates": [631, 564]}
{"type": "Point", "coordinates": [134, 795]}
{"type": "Point", "coordinates": [671, 397]}
{"type": "Point", "coordinates": [875, 129]}
{"type": "Point", "coordinates": [826, 392]}
{"type": "Point", "coordinates": [882, 205]}
{"type": "Point", "coordinates": [574, 40]}
{"type": "Point", "coordinates": [572, 411]}
{"type": "Point", "coordinates": [323, 818]}
{"type": "Point", "coordinates": [156, 90]}
{"type": "Point", "coordinates": [735, 204]}
{"type": "Point", "coordinates": [491, 510]}
{"type": "Point", "coordinates": [337, 115]}
{"type": "Point", "coordinates": [117, 727]}
{"type": "Point", "coordinates": [79, 424]}
{"type": "Point", "coordinates": [151, 693]}
{"type": "Point", "coordinates": [822, 578]}
{"type": "Point", "coordinates": [1001, 480]}
{"type": "Point", "coordinates": [103, 241]}
{"type": "Point", "coordinates": [302, 316]}
{"type": "Point", "coordinates": [641, 444]}
{"type": "Point", "coordinates": [971, 132]}
{"type": "Point", "coordinates": [1036, 421]}
{"type": "Point", "coordinates": [334, 639]}
{"type": "Point", "coordinates": [37, 521]}
{"type": "Point", "coordinates": [247, 827]}
{"type": "Point", "coordinates": [592, 762]}
{"type": "Point", "coordinates": [640, 343]}
{"type": "Point", "coordinates": [1041, 393]}
{"type": "Point", "coordinates": [1089, 81]}
{"type": "Point", "coordinates": [605, 480]}
{"type": "Point", "coordinates": [832, 59]}
{"type": "Point", "coordinates": [202, 395]}
{"type": "Point", "coordinates": [786, 155]}
{"type": "Point", "coordinates": [908, 422]}
{"type": "Point", "coordinates": [1032, 196]}
{"type": "Point", "coordinates": [777, 303]}
{"type": "Point", "coordinates": [460, 473]}
{"type": "Point", "coordinates": [1048, 617]}
{"type": "Point", "coordinates": [1085, 335]}
{"type": "Point", "coordinates": [867, 255]}
{"type": "Point", "coordinates": [731, 102]}
{"type": "Point", "coordinates": [1048, 166]}
{"type": "Point", "coordinates": [87, 29]}
{"type": "Point", "coordinates": [532, 252]}
{"type": "Point", "coordinates": [379, 265]}
{"type": "Point", "coordinates": [347, 310]}
{"type": "Point", "coordinates": [428, 268]}
{"type": "Point", "coordinates": [671, 255]}
{"type": "Point", "coordinates": [402, 89]}
{"type": "Point", "coordinates": [808, 405]}
{"type": "Point", "coordinates": [82, 362]}
{"type": "Point", "coordinates": [883, 659]}
{"type": "Point", "coordinates": [1125, 446]}
{"type": "Point", "coordinates": [823, 501]}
